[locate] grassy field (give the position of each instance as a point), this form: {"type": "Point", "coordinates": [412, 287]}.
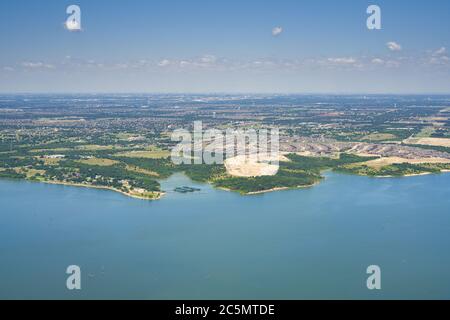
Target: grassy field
{"type": "Point", "coordinates": [51, 161]}
{"type": "Point", "coordinates": [94, 147]}
{"type": "Point", "coordinates": [426, 132]}
{"type": "Point", "coordinates": [151, 153]}
{"type": "Point", "coordinates": [99, 162]}
{"type": "Point", "coordinates": [137, 169]}
{"type": "Point", "coordinates": [50, 150]}
{"type": "Point", "coordinates": [379, 137]}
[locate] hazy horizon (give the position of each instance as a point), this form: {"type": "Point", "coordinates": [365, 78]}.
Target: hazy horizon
{"type": "Point", "coordinates": [233, 93]}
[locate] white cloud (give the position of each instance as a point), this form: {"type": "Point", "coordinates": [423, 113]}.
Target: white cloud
{"type": "Point", "coordinates": [394, 46]}
{"type": "Point", "coordinates": [185, 63]}
{"type": "Point", "coordinates": [388, 63]}
{"type": "Point", "coordinates": [342, 61]}
{"type": "Point", "coordinates": [377, 61]}
{"type": "Point", "coordinates": [438, 57]}
{"type": "Point", "coordinates": [164, 63]}
{"type": "Point", "coordinates": [209, 62]}
{"type": "Point", "coordinates": [440, 60]}
{"type": "Point", "coordinates": [208, 59]}
{"type": "Point", "coordinates": [37, 65]}
{"type": "Point", "coordinates": [439, 52]}
{"type": "Point", "coordinates": [8, 69]}
{"type": "Point", "coordinates": [277, 31]}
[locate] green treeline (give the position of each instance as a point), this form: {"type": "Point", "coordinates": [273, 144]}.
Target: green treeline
{"type": "Point", "coordinates": [11, 174]}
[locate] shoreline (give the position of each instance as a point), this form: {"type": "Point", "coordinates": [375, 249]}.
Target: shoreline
{"type": "Point", "coordinates": [158, 196]}
{"type": "Point", "coordinates": [318, 182]}
{"type": "Point", "coordinates": [412, 174]}
{"type": "Point", "coordinates": [282, 189]}
{"type": "Point", "coordinates": [253, 193]}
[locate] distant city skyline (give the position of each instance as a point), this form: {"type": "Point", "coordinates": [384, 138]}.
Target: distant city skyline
{"type": "Point", "coordinates": [201, 46]}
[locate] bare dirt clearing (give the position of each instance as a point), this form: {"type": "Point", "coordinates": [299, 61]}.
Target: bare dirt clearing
{"type": "Point", "coordinates": [254, 165]}
{"type": "Point", "coordinates": [382, 162]}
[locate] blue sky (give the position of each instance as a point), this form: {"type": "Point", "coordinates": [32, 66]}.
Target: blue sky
{"type": "Point", "coordinates": [225, 46]}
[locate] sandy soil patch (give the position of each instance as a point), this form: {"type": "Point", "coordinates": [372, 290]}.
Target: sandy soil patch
{"type": "Point", "coordinates": [437, 142]}
{"type": "Point", "coordinates": [142, 170]}
{"type": "Point", "coordinates": [51, 161]}
{"type": "Point", "coordinates": [254, 165]}
{"type": "Point", "coordinates": [433, 119]}
{"type": "Point", "coordinates": [33, 172]}
{"type": "Point", "coordinates": [379, 136]}
{"type": "Point", "coordinates": [98, 162]}
{"type": "Point", "coordinates": [382, 162]}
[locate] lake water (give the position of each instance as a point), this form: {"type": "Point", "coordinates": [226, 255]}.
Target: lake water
{"type": "Point", "coordinates": [309, 243]}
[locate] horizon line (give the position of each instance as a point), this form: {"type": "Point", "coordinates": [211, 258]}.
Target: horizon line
{"type": "Point", "coordinates": [223, 93]}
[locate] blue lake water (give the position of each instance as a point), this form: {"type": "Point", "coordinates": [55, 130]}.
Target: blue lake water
{"type": "Point", "coordinates": [299, 244]}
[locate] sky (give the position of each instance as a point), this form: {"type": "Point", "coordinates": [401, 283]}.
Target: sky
{"type": "Point", "coordinates": [212, 46]}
